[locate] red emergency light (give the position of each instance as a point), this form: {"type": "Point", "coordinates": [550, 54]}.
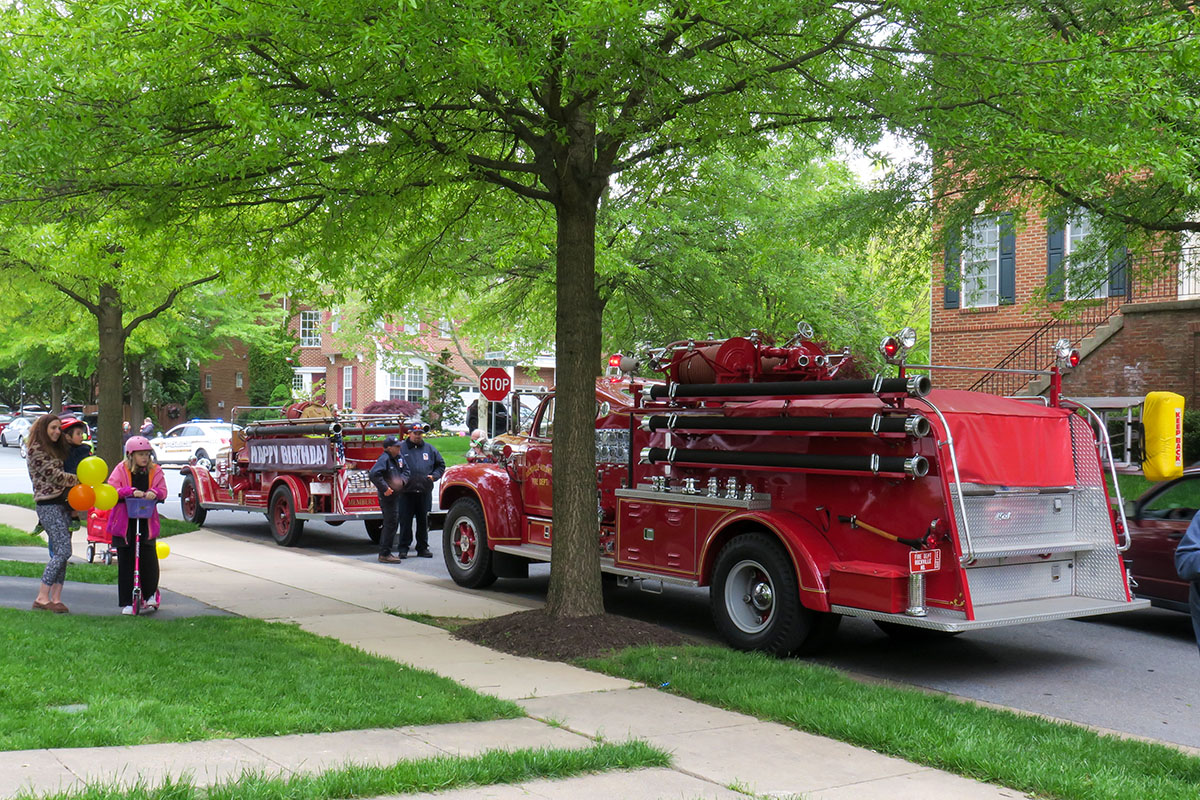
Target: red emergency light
{"type": "Point", "coordinates": [1073, 359]}
{"type": "Point", "coordinates": [615, 360]}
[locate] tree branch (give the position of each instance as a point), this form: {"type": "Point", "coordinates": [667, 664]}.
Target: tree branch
{"type": "Point", "coordinates": [165, 304]}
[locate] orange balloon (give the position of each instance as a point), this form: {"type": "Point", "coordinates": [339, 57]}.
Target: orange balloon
{"type": "Point", "coordinates": [81, 497]}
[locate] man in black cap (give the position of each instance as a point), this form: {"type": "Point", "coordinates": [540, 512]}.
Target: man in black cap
{"type": "Point", "coordinates": [423, 465]}
{"type": "Point", "coordinates": [388, 475]}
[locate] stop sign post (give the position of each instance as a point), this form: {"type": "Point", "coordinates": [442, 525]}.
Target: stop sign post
{"type": "Point", "coordinates": [495, 384]}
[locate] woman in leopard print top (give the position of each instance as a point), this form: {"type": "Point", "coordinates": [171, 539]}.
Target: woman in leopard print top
{"type": "Point", "coordinates": [47, 451]}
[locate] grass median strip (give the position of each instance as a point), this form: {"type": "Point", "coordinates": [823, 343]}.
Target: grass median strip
{"type": "Point", "coordinates": [1031, 754]}
{"type": "Point", "coordinates": [168, 526]}
{"type": "Point", "coordinates": [130, 680]}
{"type": "Point", "coordinates": [79, 573]}
{"type": "Point", "coordinates": [404, 777]}
{"type": "Point", "coordinates": [15, 537]}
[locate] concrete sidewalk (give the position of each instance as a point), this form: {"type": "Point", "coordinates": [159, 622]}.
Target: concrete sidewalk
{"type": "Point", "coordinates": [713, 749]}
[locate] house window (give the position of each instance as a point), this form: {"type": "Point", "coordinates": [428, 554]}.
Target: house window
{"type": "Point", "coordinates": [443, 327]}
{"type": "Point", "coordinates": [347, 387]}
{"type": "Point", "coordinates": [310, 328]}
{"type": "Point", "coordinates": [208, 380]}
{"type": "Point", "coordinates": [297, 382]}
{"type": "Point", "coordinates": [407, 384]}
{"type": "Point", "coordinates": [981, 263]}
{"type": "Point", "coordinates": [238, 381]}
{"type": "Point", "coordinates": [1081, 278]}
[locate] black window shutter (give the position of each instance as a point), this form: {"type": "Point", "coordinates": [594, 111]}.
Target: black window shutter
{"type": "Point", "coordinates": [1054, 256]}
{"type": "Point", "coordinates": [1118, 271]}
{"type": "Point", "coordinates": [1008, 260]}
{"type": "Point", "coordinates": [951, 277]}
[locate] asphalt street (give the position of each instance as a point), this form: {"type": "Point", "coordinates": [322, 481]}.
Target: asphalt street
{"type": "Point", "coordinates": [1137, 673]}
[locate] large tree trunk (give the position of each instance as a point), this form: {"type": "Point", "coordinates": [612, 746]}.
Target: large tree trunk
{"type": "Point", "coordinates": [56, 394]}
{"type": "Point", "coordinates": [575, 588]}
{"type": "Point", "coordinates": [137, 392]}
{"type": "Point", "coordinates": [110, 374]}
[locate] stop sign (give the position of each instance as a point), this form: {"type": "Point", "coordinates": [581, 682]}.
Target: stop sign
{"type": "Point", "coordinates": [495, 384]}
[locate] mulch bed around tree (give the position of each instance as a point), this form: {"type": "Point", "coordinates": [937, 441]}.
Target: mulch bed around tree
{"type": "Point", "coordinates": [537, 635]}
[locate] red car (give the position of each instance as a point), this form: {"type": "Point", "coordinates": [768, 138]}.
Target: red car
{"type": "Point", "coordinates": [1157, 521]}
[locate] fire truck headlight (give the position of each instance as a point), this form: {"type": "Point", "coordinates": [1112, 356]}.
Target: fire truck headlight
{"type": "Point", "coordinates": [1062, 349]}
{"type": "Point", "coordinates": [907, 337]}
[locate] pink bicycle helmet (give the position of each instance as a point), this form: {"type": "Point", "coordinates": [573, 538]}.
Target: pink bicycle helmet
{"type": "Point", "coordinates": [137, 443]}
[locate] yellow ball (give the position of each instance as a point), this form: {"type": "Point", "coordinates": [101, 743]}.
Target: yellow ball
{"type": "Point", "coordinates": [162, 548]}
{"type": "Point", "coordinates": [106, 497]}
{"type": "Point", "coordinates": [92, 471]}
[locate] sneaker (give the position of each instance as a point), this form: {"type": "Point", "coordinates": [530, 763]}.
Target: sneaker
{"type": "Point", "coordinates": [388, 558]}
{"type": "Point", "coordinates": [36, 529]}
{"type": "Point", "coordinates": [149, 608]}
{"type": "Point", "coordinates": [127, 610]}
{"type": "Point", "coordinates": [424, 554]}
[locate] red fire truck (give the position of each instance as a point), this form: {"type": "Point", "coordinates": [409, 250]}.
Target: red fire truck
{"type": "Point", "coordinates": [307, 465]}
{"type": "Point", "coordinates": [799, 494]}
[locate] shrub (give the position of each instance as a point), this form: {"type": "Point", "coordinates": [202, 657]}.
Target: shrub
{"type": "Point", "coordinates": [403, 408]}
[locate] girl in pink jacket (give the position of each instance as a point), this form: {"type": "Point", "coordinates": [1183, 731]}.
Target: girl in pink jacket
{"type": "Point", "coordinates": [136, 477]}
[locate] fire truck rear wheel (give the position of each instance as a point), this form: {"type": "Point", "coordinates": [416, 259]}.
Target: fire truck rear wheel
{"type": "Point", "coordinates": [286, 529]}
{"type": "Point", "coordinates": [464, 545]}
{"type": "Point", "coordinates": [755, 599]}
{"type": "Point", "coordinates": [374, 529]}
{"type": "Point", "coordinates": [189, 502]}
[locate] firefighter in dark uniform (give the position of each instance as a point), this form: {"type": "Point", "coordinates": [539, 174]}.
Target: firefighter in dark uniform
{"type": "Point", "coordinates": [388, 476]}
{"type": "Point", "coordinates": [423, 465]}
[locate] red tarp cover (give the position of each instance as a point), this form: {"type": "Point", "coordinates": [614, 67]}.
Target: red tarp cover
{"type": "Point", "coordinates": [998, 441]}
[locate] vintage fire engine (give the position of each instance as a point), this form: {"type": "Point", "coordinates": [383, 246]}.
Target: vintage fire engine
{"type": "Point", "coordinates": [799, 495]}
{"type": "Point", "coordinates": [310, 466]}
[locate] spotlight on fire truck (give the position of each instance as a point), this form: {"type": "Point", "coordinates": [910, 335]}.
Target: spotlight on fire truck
{"type": "Point", "coordinates": [895, 348]}
{"type": "Point", "coordinates": [618, 364]}
{"type": "Point", "coordinates": [1067, 356]}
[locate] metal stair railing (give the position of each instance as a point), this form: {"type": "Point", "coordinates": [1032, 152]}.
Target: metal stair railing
{"type": "Point", "coordinates": [1037, 351]}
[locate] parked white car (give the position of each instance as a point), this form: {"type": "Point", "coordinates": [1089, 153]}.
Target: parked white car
{"type": "Point", "coordinates": [14, 433]}
{"type": "Point", "coordinates": [198, 439]}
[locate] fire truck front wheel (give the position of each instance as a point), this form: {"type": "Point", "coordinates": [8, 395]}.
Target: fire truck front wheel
{"type": "Point", "coordinates": [285, 528]}
{"type": "Point", "coordinates": [189, 502]}
{"type": "Point", "coordinates": [755, 600]}
{"type": "Point", "coordinates": [464, 545]}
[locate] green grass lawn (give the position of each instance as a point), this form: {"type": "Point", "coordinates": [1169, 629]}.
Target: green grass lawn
{"type": "Point", "coordinates": [147, 680]}
{"type": "Point", "coordinates": [79, 573]}
{"type": "Point", "coordinates": [453, 448]}
{"type": "Point", "coordinates": [1050, 759]}
{"type": "Point", "coordinates": [404, 777]}
{"type": "Point", "coordinates": [15, 537]}
{"type": "Point", "coordinates": [22, 499]}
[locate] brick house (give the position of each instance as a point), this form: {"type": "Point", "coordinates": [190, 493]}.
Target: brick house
{"type": "Point", "coordinates": [1137, 329]}
{"type": "Point", "coordinates": [394, 363]}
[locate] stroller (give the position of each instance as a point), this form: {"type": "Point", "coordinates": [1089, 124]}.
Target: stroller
{"type": "Point", "coordinates": [97, 533]}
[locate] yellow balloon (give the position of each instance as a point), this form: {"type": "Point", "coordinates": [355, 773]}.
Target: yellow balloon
{"type": "Point", "coordinates": [106, 497]}
{"type": "Point", "coordinates": [92, 471]}
{"type": "Point", "coordinates": [162, 548]}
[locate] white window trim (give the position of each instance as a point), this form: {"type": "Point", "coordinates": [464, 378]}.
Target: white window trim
{"type": "Point", "coordinates": [311, 339]}
{"type": "Point", "coordinates": [239, 380]}
{"type": "Point", "coordinates": [989, 254]}
{"type": "Point", "coordinates": [347, 387]}
{"type": "Point", "coordinates": [1070, 229]}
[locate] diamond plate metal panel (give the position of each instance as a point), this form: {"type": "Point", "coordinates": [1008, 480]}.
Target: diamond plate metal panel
{"type": "Point", "coordinates": [1010, 583]}
{"type": "Point", "coordinates": [1100, 573]}
{"type": "Point", "coordinates": [612, 446]}
{"type": "Point", "coordinates": [1006, 522]}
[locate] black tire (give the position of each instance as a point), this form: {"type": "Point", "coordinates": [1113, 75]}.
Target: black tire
{"type": "Point", "coordinates": [464, 545]}
{"type": "Point", "coordinates": [91, 552]}
{"type": "Point", "coordinates": [909, 633]}
{"type": "Point", "coordinates": [374, 529]}
{"type": "Point", "coordinates": [286, 529]}
{"type": "Point", "coordinates": [189, 502]}
{"type": "Point", "coordinates": [108, 557]}
{"type": "Point", "coordinates": [755, 600]}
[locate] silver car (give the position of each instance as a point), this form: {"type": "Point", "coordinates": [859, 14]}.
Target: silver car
{"type": "Point", "coordinates": [14, 433]}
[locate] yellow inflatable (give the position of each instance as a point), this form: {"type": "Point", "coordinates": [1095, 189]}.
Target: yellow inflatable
{"type": "Point", "coordinates": [1162, 421]}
